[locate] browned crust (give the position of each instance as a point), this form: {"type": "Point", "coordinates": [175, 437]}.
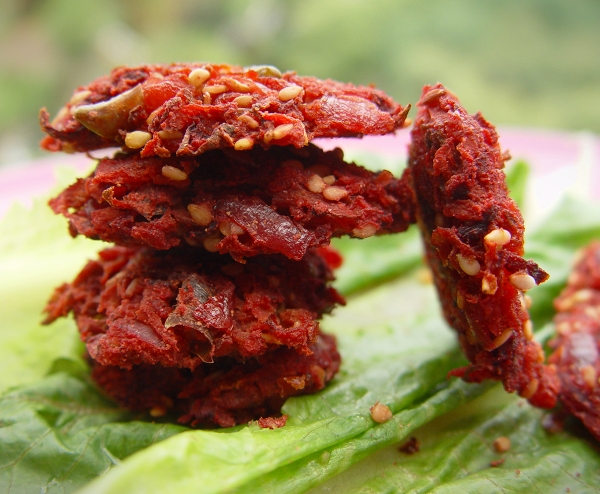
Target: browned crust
{"type": "Point", "coordinates": [243, 203]}
{"type": "Point", "coordinates": [182, 307]}
{"type": "Point", "coordinates": [235, 107]}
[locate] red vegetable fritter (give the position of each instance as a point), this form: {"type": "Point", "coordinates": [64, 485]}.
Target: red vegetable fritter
{"type": "Point", "coordinates": [473, 235]}
{"type": "Point", "coordinates": [254, 202]}
{"type": "Point", "coordinates": [577, 344]}
{"type": "Point", "coordinates": [187, 109]}
{"type": "Point", "coordinates": [181, 308]}
{"type": "Point", "coordinates": [226, 392]}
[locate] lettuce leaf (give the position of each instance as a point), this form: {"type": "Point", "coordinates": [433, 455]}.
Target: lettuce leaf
{"type": "Point", "coordinates": [36, 255]}
{"type": "Point", "coordinates": [59, 434]}
{"type": "Point", "coordinates": [457, 454]}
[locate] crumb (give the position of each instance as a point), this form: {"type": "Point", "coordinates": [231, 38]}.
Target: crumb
{"type": "Point", "coordinates": [380, 413]}
{"type": "Point", "coordinates": [272, 422]}
{"type": "Point", "coordinates": [502, 444]}
{"type": "Point", "coordinates": [411, 446]}
{"type": "Point", "coordinates": [497, 463]}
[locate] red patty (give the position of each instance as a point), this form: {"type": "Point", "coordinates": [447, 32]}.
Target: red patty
{"type": "Point", "coordinates": [187, 109]}
{"type": "Point", "coordinates": [577, 344]}
{"type": "Point", "coordinates": [181, 308]}
{"type": "Point", "coordinates": [246, 203]}
{"type": "Point", "coordinates": [227, 392]}
{"type": "Point", "coordinates": [473, 235]}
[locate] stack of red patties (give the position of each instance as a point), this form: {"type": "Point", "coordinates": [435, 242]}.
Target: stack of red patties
{"type": "Point", "coordinates": [222, 211]}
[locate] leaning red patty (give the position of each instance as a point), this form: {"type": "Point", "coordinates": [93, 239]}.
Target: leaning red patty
{"type": "Point", "coordinates": [280, 201]}
{"type": "Point", "coordinates": [473, 236]}
{"type": "Point", "coordinates": [187, 109]}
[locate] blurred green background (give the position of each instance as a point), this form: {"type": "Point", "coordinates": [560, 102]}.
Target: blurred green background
{"type": "Point", "coordinates": [521, 62]}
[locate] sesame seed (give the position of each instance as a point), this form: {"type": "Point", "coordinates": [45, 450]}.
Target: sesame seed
{"type": "Point", "coordinates": [217, 89]}
{"type": "Point", "coordinates": [158, 412]}
{"type": "Point", "coordinates": [238, 86]}
{"type": "Point", "coordinates": [528, 329]}
{"type": "Point", "coordinates": [315, 184]}
{"type": "Point", "coordinates": [522, 281]}
{"type": "Point", "coordinates": [380, 413]}
{"type": "Point", "coordinates": [530, 389]}
{"type": "Point", "coordinates": [296, 382]}
{"type": "Point", "coordinates": [191, 240]}
{"type": "Point", "coordinates": [243, 101]}
{"type": "Point", "coordinates": [318, 373]}
{"type": "Point", "coordinates": [460, 300]}
{"type": "Point", "coordinates": [541, 356]}
{"type": "Point", "coordinates": [210, 244]}
{"type": "Point", "coordinates": [563, 328]}
{"type": "Point", "coordinates": [249, 121]}
{"type": "Point", "coordinates": [137, 139]}
{"type": "Point", "coordinates": [132, 287]}
{"type": "Point", "coordinates": [281, 131]}
{"type": "Point", "coordinates": [61, 115]}
{"type": "Point", "coordinates": [206, 98]}
{"type": "Point", "coordinates": [268, 137]}
{"type": "Point", "coordinates": [173, 173]}
{"type": "Point", "coordinates": [305, 135]}
{"type": "Point", "coordinates": [432, 95]}
{"type": "Point", "coordinates": [592, 312]}
{"type": "Point", "coordinates": [243, 144]}
{"type": "Point", "coordinates": [502, 444]}
{"type": "Point", "coordinates": [289, 93]}
{"type": "Point", "coordinates": [472, 337]}
{"type": "Point", "coordinates": [198, 77]}
{"type": "Point", "coordinates": [469, 265]}
{"type": "Point", "coordinates": [522, 301]}
{"type": "Point", "coordinates": [489, 284]}
{"type": "Point", "coordinates": [228, 228]}
{"type": "Point", "coordinates": [329, 179]}
{"type": "Point", "coordinates": [365, 231]}
{"type": "Point", "coordinates": [152, 115]}
{"type": "Point", "coordinates": [266, 70]}
{"type": "Point", "coordinates": [334, 193]}
{"type": "Point", "coordinates": [79, 96]}
{"type": "Point", "coordinates": [498, 237]}
{"type": "Point", "coordinates": [200, 213]}
{"type": "Point", "coordinates": [502, 338]}
{"type": "Point", "coordinates": [170, 134]}
{"type": "Point", "coordinates": [590, 375]}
